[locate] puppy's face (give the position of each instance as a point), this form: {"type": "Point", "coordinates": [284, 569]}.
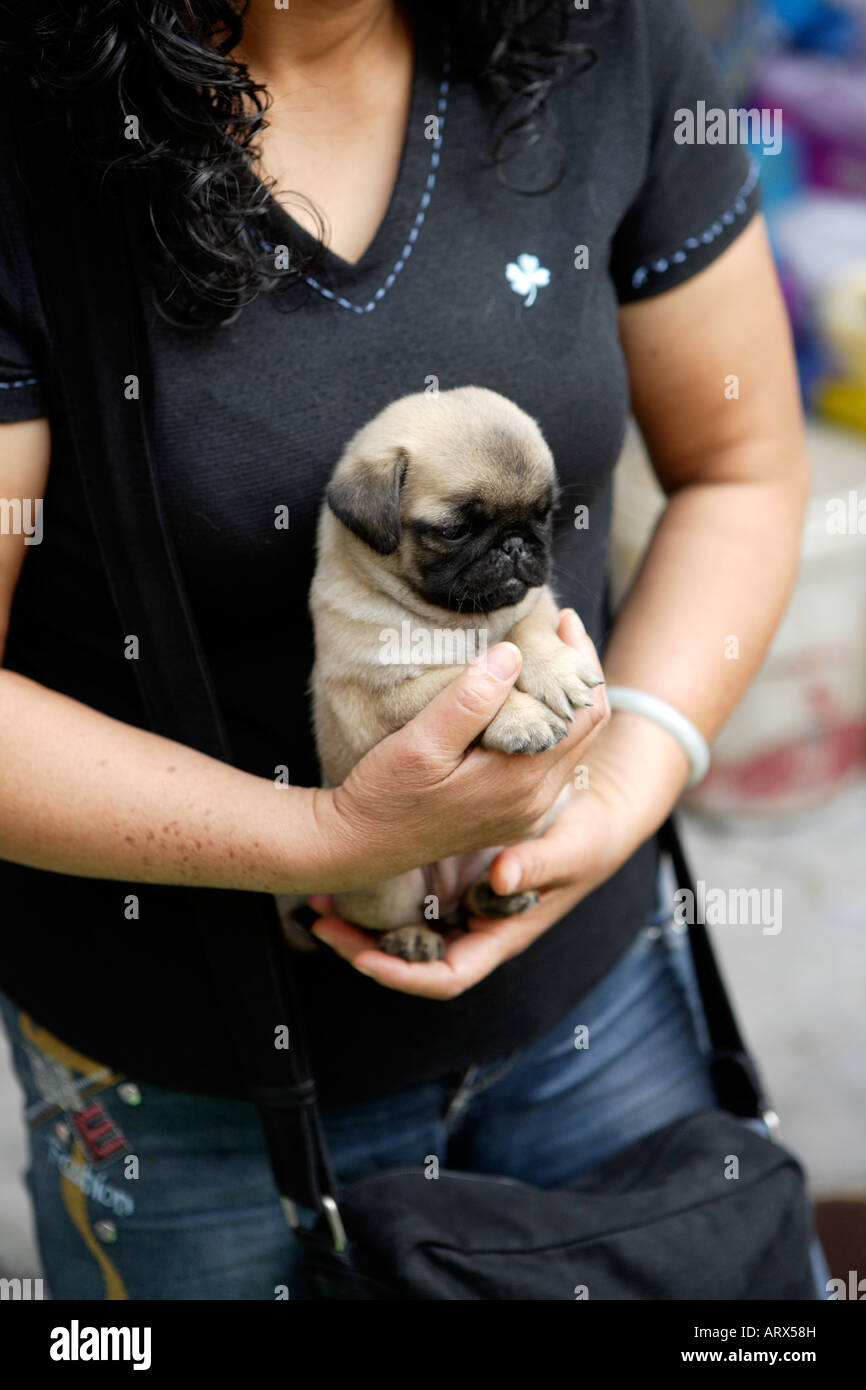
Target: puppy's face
{"type": "Point", "coordinates": [455, 492]}
{"type": "Point", "coordinates": [480, 548]}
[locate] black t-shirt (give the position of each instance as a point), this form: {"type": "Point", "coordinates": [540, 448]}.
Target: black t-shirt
{"type": "Point", "coordinates": [467, 281]}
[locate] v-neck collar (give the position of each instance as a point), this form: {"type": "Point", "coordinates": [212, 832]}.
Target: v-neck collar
{"type": "Point", "coordinates": [360, 285]}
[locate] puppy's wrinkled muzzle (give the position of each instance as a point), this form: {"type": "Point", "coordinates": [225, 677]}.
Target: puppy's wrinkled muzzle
{"type": "Point", "coordinates": [504, 575]}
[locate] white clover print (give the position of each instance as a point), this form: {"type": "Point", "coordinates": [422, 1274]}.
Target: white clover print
{"type": "Point", "coordinates": [526, 275]}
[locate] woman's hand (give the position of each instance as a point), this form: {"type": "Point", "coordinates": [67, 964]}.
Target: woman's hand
{"type": "Point", "coordinates": [567, 862]}
{"type": "Point", "coordinates": [628, 783]}
{"type": "Point", "coordinates": [420, 796]}
{"type": "Point", "coordinates": [627, 780]}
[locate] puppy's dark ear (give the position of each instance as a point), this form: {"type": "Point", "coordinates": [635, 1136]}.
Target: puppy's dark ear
{"type": "Point", "coordinates": [367, 500]}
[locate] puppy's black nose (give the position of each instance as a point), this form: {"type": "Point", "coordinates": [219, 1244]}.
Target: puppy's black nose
{"type": "Point", "coordinates": [514, 546]}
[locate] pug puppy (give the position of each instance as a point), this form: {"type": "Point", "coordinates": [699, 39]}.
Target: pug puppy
{"type": "Point", "coordinates": [433, 544]}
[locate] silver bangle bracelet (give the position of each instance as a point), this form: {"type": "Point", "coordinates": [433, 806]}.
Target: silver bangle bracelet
{"type": "Point", "coordinates": [690, 739]}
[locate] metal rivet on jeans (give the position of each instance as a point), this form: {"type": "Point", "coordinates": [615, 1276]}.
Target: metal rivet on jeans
{"type": "Point", "coordinates": [129, 1093]}
{"type": "Point", "coordinates": [106, 1231]}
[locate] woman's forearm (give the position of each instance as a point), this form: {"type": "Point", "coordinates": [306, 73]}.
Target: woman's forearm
{"type": "Point", "coordinates": [709, 595]}
{"type": "Point", "coordinates": [697, 623]}
{"type": "Point", "coordinates": [83, 794]}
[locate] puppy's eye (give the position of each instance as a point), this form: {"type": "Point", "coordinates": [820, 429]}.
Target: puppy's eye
{"type": "Point", "coordinates": [454, 533]}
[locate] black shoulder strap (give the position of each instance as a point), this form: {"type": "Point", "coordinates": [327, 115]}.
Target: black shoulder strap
{"type": "Point", "coordinates": [736, 1077]}
{"type": "Point", "coordinates": [82, 236]}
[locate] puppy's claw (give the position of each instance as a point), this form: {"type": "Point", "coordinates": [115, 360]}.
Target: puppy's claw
{"type": "Point", "coordinates": [543, 738]}
{"type": "Point", "coordinates": [560, 679]}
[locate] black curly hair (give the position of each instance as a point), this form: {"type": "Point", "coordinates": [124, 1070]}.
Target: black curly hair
{"type": "Point", "coordinates": [162, 97]}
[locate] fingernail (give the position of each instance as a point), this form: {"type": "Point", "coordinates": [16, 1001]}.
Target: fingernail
{"type": "Point", "coordinates": [503, 660]}
{"type": "Point", "coordinates": [510, 879]}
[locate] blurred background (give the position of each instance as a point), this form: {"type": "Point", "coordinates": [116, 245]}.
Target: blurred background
{"type": "Point", "coordinates": [784, 806]}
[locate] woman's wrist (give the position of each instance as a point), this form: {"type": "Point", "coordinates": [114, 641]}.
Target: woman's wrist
{"type": "Point", "coordinates": [298, 837]}
{"type": "Point", "coordinates": [631, 700]}
{"type": "Point", "coordinates": [330, 852]}
{"type": "Point", "coordinates": [639, 770]}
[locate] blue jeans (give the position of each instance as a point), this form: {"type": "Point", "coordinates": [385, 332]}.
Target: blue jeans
{"type": "Point", "coordinates": [142, 1192]}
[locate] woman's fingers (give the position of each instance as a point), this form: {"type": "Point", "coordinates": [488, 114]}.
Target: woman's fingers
{"type": "Point", "coordinates": [458, 714]}
{"type": "Point", "coordinates": [468, 957]}
{"type": "Point", "coordinates": [572, 631]}
{"type": "Point", "coordinates": [551, 859]}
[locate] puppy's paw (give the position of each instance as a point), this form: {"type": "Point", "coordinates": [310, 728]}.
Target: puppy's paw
{"type": "Point", "coordinates": [523, 725]}
{"type": "Point", "coordinates": [562, 679]}
{"type": "Point", "coordinates": [413, 943]}
{"type": "Point", "coordinates": [479, 900]}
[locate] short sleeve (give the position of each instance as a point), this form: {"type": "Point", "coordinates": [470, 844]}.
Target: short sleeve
{"type": "Point", "coordinates": [20, 390]}
{"type": "Point", "coordinates": [21, 393]}
{"type": "Point", "coordinates": [700, 184]}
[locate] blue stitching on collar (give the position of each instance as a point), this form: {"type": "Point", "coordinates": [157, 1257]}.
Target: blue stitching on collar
{"type": "Point", "coordinates": [692, 243]}
{"type": "Point", "coordinates": [435, 153]}
{"type": "Point", "coordinates": [14, 385]}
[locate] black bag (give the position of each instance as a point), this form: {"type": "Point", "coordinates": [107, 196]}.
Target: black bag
{"type": "Point", "coordinates": [664, 1220]}
{"type": "Point", "coordinates": [659, 1221]}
